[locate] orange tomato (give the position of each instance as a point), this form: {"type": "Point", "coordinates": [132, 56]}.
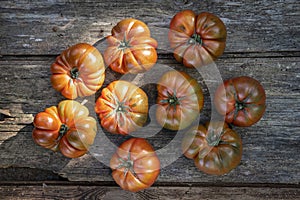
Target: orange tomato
{"type": "Point", "coordinates": [130, 47]}
{"type": "Point", "coordinates": [135, 165]}
{"type": "Point", "coordinates": [122, 107]}
{"type": "Point", "coordinates": [78, 71]}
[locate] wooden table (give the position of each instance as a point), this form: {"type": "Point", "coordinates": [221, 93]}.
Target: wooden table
{"type": "Point", "coordinates": [263, 42]}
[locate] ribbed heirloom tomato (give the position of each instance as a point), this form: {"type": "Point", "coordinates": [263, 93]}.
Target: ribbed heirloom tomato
{"type": "Point", "coordinates": [197, 40]}
{"type": "Point", "coordinates": [215, 148]}
{"type": "Point", "coordinates": [122, 107]}
{"type": "Point", "coordinates": [242, 100]}
{"type": "Point", "coordinates": [130, 47]}
{"type": "Point", "coordinates": [67, 128]}
{"type": "Point", "coordinates": [78, 71]}
{"type": "Point", "coordinates": [135, 165]}
{"type": "Point", "coordinates": [180, 100]}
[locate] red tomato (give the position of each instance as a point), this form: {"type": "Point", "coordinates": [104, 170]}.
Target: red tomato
{"type": "Point", "coordinates": [135, 165]}
{"type": "Point", "coordinates": [66, 127]}
{"type": "Point", "coordinates": [130, 47]}
{"type": "Point", "coordinates": [78, 71]}
{"type": "Point", "coordinates": [179, 100]}
{"type": "Point", "coordinates": [215, 148]}
{"type": "Point", "coordinates": [242, 100]}
{"type": "Point", "coordinates": [197, 40]}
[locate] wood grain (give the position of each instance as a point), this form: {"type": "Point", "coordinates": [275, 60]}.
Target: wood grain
{"type": "Point", "coordinates": [263, 42]}
{"type": "Point", "coordinates": [48, 191]}
{"type": "Point", "coordinates": [271, 147]}
{"type": "Point", "coordinates": [48, 28]}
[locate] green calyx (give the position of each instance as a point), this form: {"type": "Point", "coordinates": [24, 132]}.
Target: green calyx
{"type": "Point", "coordinates": [213, 138]}
{"type": "Point", "coordinates": [239, 106]}
{"type": "Point", "coordinates": [124, 44]}
{"type": "Point", "coordinates": [195, 39]}
{"type": "Point", "coordinates": [74, 73]}
{"type": "Point", "coordinates": [121, 107]}
{"type": "Point", "coordinates": [63, 130]}
{"type": "Point", "coordinates": [127, 164]}
{"type": "Point", "coordinates": [172, 100]}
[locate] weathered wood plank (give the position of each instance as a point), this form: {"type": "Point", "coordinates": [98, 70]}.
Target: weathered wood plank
{"type": "Point", "coordinates": [271, 147]}
{"type": "Point", "coordinates": [21, 175]}
{"type": "Point", "coordinates": [50, 27]}
{"type": "Point", "coordinates": [45, 191]}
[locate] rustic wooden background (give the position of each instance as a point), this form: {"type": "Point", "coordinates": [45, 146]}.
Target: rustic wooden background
{"type": "Point", "coordinates": [263, 42]}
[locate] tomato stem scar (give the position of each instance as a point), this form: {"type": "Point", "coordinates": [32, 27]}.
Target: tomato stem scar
{"type": "Point", "coordinates": [195, 39]}
{"type": "Point", "coordinates": [62, 131]}
{"type": "Point", "coordinates": [74, 73]}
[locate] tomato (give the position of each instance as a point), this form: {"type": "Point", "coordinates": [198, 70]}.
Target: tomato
{"type": "Point", "coordinates": [179, 100]}
{"type": "Point", "coordinates": [135, 165]}
{"type": "Point", "coordinates": [67, 128]}
{"type": "Point", "coordinates": [197, 40]}
{"type": "Point", "coordinates": [78, 71]}
{"type": "Point", "coordinates": [242, 100]}
{"type": "Point", "coordinates": [122, 107]}
{"type": "Point", "coordinates": [215, 148]}
{"type": "Point", "coordinates": [130, 47]}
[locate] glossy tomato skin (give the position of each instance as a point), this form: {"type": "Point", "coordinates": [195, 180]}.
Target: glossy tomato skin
{"type": "Point", "coordinates": [135, 165]}
{"type": "Point", "coordinates": [67, 128]}
{"type": "Point", "coordinates": [130, 47]}
{"type": "Point", "coordinates": [78, 71]}
{"type": "Point", "coordinates": [180, 100]}
{"type": "Point", "coordinates": [122, 107]}
{"type": "Point", "coordinates": [197, 40]}
{"type": "Point", "coordinates": [215, 148]}
{"type": "Point", "coordinates": [242, 100]}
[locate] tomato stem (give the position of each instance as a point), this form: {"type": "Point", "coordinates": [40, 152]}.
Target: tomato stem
{"type": "Point", "coordinates": [122, 107]}
{"type": "Point", "coordinates": [195, 39]}
{"type": "Point", "coordinates": [63, 130]}
{"type": "Point", "coordinates": [74, 73]}
{"type": "Point", "coordinates": [172, 99]}
{"type": "Point", "coordinates": [213, 139]}
{"type": "Point", "coordinates": [124, 44]}
{"type": "Point", "coordinates": [239, 105]}
{"type": "Point", "coordinates": [127, 164]}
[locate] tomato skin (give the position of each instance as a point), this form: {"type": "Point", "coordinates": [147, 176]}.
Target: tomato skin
{"type": "Point", "coordinates": [213, 153]}
{"type": "Point", "coordinates": [122, 107]}
{"type": "Point", "coordinates": [66, 128]}
{"type": "Point", "coordinates": [78, 71]}
{"type": "Point", "coordinates": [130, 47]}
{"type": "Point", "coordinates": [143, 165]}
{"type": "Point", "coordinates": [197, 40]}
{"type": "Point", "coordinates": [242, 100]}
{"type": "Point", "coordinates": [180, 100]}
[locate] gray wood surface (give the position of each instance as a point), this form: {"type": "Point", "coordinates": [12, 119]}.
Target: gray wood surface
{"type": "Point", "coordinates": [263, 42]}
{"type": "Point", "coordinates": [271, 147]}
{"type": "Point", "coordinates": [46, 191]}
{"type": "Point", "coordinates": [49, 27]}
